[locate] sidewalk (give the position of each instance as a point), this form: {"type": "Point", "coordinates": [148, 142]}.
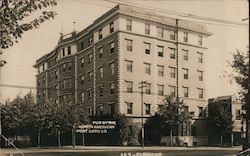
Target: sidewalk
{"type": "Point", "coordinates": [7, 151]}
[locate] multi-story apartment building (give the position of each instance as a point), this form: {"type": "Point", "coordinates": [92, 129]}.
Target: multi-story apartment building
{"type": "Point", "coordinates": [102, 66]}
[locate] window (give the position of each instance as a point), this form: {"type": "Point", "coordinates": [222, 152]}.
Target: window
{"type": "Point", "coordinates": [185, 91]}
{"type": "Point", "coordinates": [44, 92]}
{"type": "Point", "coordinates": [185, 37]}
{"type": "Point", "coordinates": [43, 67]}
{"type": "Point", "coordinates": [112, 47]}
{"type": "Point", "coordinates": [129, 25]}
{"type": "Point", "coordinates": [64, 84]}
{"type": "Point", "coordinates": [129, 45]}
{"type": "Point", "coordinates": [100, 89]}
{"type": "Point", "coordinates": [44, 79]}
{"type": "Point", "coordinates": [90, 75]}
{"type": "Point", "coordinates": [100, 34]}
{"type": "Point", "coordinates": [172, 72]}
{"type": "Point", "coordinates": [90, 58]}
{"type": "Point", "coordinates": [147, 68]}
{"type": "Point", "coordinates": [90, 39]}
{"type": "Point", "coordinates": [160, 89]}
{"type": "Point", "coordinates": [111, 27]}
{"type": "Point", "coordinates": [172, 53]}
{"type": "Point", "coordinates": [56, 74]}
{"type": "Point", "coordinates": [147, 88]}
{"type": "Point", "coordinates": [90, 93]}
{"type": "Point", "coordinates": [237, 114]}
{"type": "Point", "coordinates": [200, 112]}
{"type": "Point", "coordinates": [160, 51]}
{"type": "Point", "coordinates": [112, 68]}
{"type": "Point", "coordinates": [186, 108]}
{"type": "Point", "coordinates": [129, 66]}
{"type": "Point", "coordinates": [80, 46]}
{"type": "Point", "coordinates": [38, 82]}
{"type": "Point", "coordinates": [160, 70]}
{"type": "Point", "coordinates": [185, 54]}
{"type": "Point", "coordinates": [200, 57]}
{"type": "Point", "coordinates": [147, 48]}
{"type": "Point", "coordinates": [101, 72]}
{"type": "Point", "coordinates": [200, 75]}
{"type": "Point", "coordinates": [69, 65]}
{"type": "Point", "coordinates": [200, 92]}
{"type": "Point", "coordinates": [129, 107]}
{"type": "Point", "coordinates": [112, 88]}
{"type": "Point", "coordinates": [90, 111]}
{"type": "Point", "coordinates": [129, 86]}
{"type": "Point", "coordinates": [64, 67]}
{"type": "Point", "coordinates": [82, 79]}
{"type": "Point", "coordinates": [63, 52]}
{"type": "Point", "coordinates": [69, 83]}
{"type": "Point", "coordinates": [185, 73]}
{"type": "Point", "coordinates": [147, 108]}
{"type": "Point", "coordinates": [63, 98]}
{"type": "Point", "coordinates": [100, 52]}
{"type": "Point", "coordinates": [199, 40]}
{"type": "Point", "coordinates": [160, 32]}
{"type": "Point", "coordinates": [172, 90]}
{"type": "Point", "coordinates": [57, 89]}
{"type": "Point", "coordinates": [82, 62]}
{"type": "Point", "coordinates": [147, 29]}
{"type": "Point", "coordinates": [69, 50]}
{"type": "Point", "coordinates": [172, 35]}
{"type": "Point", "coordinates": [111, 109]}
{"type": "Point", "coordinates": [100, 110]}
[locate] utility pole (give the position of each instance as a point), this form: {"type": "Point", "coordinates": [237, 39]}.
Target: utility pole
{"type": "Point", "coordinates": [247, 105]}
{"type": "Point", "coordinates": [177, 72]}
{"type": "Point", "coordinates": [142, 103]}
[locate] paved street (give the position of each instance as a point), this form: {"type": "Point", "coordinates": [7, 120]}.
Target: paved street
{"type": "Point", "coordinates": [125, 151]}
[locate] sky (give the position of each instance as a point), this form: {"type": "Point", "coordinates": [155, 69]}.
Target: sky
{"type": "Point", "coordinates": [224, 41]}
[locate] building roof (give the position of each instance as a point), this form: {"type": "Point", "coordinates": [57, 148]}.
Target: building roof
{"type": "Point", "coordinates": [142, 13]}
{"type": "Point", "coordinates": [135, 12]}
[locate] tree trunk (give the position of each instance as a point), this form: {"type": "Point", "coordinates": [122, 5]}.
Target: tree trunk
{"type": "Point", "coordinates": [232, 139]}
{"type": "Point", "coordinates": [39, 138]}
{"type": "Point", "coordinates": [73, 137]}
{"type": "Point", "coordinates": [221, 139]}
{"type": "Point", "coordinates": [83, 140]}
{"type": "Point", "coordinates": [59, 138]}
{"type": "Point", "coordinates": [171, 138]}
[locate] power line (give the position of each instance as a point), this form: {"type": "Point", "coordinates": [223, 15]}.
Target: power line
{"type": "Point", "coordinates": [17, 86]}
{"type": "Point", "coordinates": [91, 3]}
{"type": "Point", "coordinates": [181, 14]}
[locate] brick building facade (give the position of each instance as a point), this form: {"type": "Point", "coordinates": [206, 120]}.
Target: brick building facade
{"type": "Point", "coordinates": [102, 66]}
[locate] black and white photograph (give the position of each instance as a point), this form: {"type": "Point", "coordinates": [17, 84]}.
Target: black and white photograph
{"type": "Point", "coordinates": [124, 78]}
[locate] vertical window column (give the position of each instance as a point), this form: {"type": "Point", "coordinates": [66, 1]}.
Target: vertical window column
{"type": "Point", "coordinates": [129, 44]}
{"type": "Point", "coordinates": [147, 48]}
{"type": "Point", "coordinates": [129, 65]}
{"type": "Point", "coordinates": [147, 68]}
{"type": "Point", "coordinates": [147, 29]}
{"type": "Point", "coordinates": [111, 27]}
{"type": "Point", "coordinates": [129, 25]}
